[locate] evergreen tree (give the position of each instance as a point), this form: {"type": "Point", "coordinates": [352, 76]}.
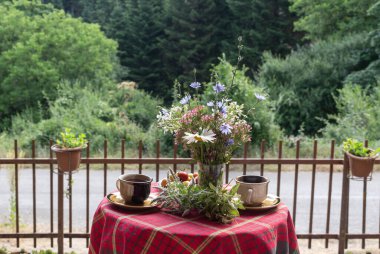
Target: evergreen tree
{"type": "Point", "coordinates": [73, 7]}
{"type": "Point", "coordinates": [140, 46]}
{"type": "Point", "coordinates": [193, 37]}
{"type": "Point", "coordinates": [264, 25]}
{"type": "Point", "coordinates": [106, 13]}
{"type": "Point", "coordinates": [323, 19]}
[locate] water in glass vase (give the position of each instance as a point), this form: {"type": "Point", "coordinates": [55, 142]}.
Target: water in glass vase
{"type": "Point", "coordinates": [210, 174]}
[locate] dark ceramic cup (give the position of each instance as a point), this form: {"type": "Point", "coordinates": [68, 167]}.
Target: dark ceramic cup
{"type": "Point", "coordinates": [134, 188]}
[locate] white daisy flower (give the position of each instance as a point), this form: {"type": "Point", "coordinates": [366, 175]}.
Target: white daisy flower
{"type": "Point", "coordinates": [205, 136]}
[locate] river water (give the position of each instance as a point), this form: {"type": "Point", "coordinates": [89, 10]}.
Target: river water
{"type": "Point", "coordinates": [286, 194]}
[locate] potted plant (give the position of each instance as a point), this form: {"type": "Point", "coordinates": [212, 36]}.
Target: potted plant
{"type": "Point", "coordinates": [361, 159]}
{"type": "Point", "coordinates": [68, 150]}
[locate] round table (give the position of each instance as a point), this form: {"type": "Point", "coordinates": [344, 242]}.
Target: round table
{"type": "Point", "coordinates": [116, 230]}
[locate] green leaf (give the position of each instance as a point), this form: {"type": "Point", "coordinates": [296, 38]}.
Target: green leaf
{"type": "Point", "coordinates": [234, 189]}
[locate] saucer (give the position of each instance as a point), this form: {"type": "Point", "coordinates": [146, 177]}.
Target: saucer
{"type": "Point", "coordinates": [116, 199]}
{"type": "Point", "coordinates": [270, 202]}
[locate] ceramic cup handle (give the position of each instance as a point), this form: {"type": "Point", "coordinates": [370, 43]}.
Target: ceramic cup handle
{"type": "Point", "coordinates": [249, 196]}
{"type": "Point", "coordinates": [118, 184]}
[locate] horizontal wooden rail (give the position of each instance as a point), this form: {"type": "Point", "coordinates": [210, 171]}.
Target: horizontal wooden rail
{"type": "Point", "coordinates": [336, 236]}
{"type": "Point", "coordinates": [317, 236]}
{"type": "Point", "coordinates": [307, 161]}
{"type": "Point", "coordinates": [44, 235]}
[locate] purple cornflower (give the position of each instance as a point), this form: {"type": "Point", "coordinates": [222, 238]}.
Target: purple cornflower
{"type": "Point", "coordinates": [230, 142]}
{"type": "Point", "coordinates": [260, 97]}
{"type": "Point", "coordinates": [164, 112]}
{"type": "Point", "coordinates": [185, 100]}
{"type": "Point", "coordinates": [223, 110]}
{"type": "Point", "coordinates": [225, 128]}
{"type": "Point", "coordinates": [195, 85]}
{"type": "Point", "coordinates": [219, 88]}
{"type": "Point", "coordinates": [210, 104]}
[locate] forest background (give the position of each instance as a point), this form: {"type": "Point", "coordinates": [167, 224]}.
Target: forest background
{"type": "Point", "coordinates": [104, 67]}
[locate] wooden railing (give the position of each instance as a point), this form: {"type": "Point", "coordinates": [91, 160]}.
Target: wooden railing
{"type": "Point", "coordinates": [343, 235]}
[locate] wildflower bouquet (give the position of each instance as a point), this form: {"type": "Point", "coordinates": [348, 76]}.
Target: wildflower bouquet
{"type": "Point", "coordinates": [211, 129]}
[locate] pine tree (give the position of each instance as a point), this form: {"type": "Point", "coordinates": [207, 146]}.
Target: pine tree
{"type": "Point", "coordinates": [193, 37]}
{"type": "Point", "coordinates": [73, 7]}
{"type": "Point", "coordinates": [264, 25]}
{"type": "Point", "coordinates": [140, 46]}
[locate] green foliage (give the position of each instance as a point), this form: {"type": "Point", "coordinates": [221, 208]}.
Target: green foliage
{"type": "Point", "coordinates": [176, 197]}
{"type": "Point", "coordinates": [264, 25]}
{"type": "Point", "coordinates": [39, 50]}
{"type": "Point", "coordinates": [303, 83]}
{"type": "Point", "coordinates": [136, 105]}
{"type": "Point", "coordinates": [3, 250]}
{"type": "Point", "coordinates": [216, 203]}
{"type": "Point", "coordinates": [220, 204]}
{"type": "Point", "coordinates": [30, 7]}
{"type": "Point", "coordinates": [85, 110]}
{"type": "Point", "coordinates": [358, 114]}
{"type": "Point", "coordinates": [259, 115]}
{"type": "Point", "coordinates": [192, 38]}
{"type": "Point", "coordinates": [43, 252]}
{"type": "Point", "coordinates": [160, 41]}
{"type": "Point", "coordinates": [107, 13]}
{"type": "Point", "coordinates": [140, 46]}
{"type": "Point", "coordinates": [357, 148]}
{"type": "Point", "coordinates": [322, 19]}
{"type": "Point", "coordinates": [370, 75]}
{"type": "Point", "coordinates": [12, 219]}
{"type": "Point", "coordinates": [70, 140]}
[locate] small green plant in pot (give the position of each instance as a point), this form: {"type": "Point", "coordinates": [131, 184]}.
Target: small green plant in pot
{"type": "Point", "coordinates": [68, 150]}
{"type": "Point", "coordinates": [361, 159]}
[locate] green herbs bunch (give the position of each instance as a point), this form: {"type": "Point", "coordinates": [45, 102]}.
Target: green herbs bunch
{"type": "Point", "coordinates": [357, 148]}
{"type": "Point", "coordinates": [70, 140]}
{"type": "Point", "coordinates": [216, 203]}
{"type": "Point", "coordinates": [177, 198]}
{"type": "Point", "coordinates": [219, 204]}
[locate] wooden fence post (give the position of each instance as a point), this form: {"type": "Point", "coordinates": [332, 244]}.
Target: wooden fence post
{"type": "Point", "coordinates": [344, 207]}
{"type": "Point", "coordinates": [60, 213]}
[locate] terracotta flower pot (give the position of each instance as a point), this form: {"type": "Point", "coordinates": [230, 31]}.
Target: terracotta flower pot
{"type": "Point", "coordinates": [68, 159]}
{"type": "Point", "coordinates": [360, 166]}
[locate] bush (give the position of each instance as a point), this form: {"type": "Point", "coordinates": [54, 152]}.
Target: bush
{"type": "Point", "coordinates": [303, 84]}
{"type": "Point", "coordinates": [137, 105]}
{"type": "Point", "coordinates": [260, 114]}
{"type": "Point", "coordinates": [41, 46]}
{"type": "Point", "coordinates": [358, 114]}
{"type": "Point", "coordinates": [84, 110]}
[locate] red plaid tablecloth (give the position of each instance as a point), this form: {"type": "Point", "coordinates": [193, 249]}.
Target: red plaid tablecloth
{"type": "Point", "coordinates": [115, 230]}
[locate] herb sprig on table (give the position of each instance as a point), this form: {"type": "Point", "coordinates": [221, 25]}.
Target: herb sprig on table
{"type": "Point", "coordinates": [216, 203]}
{"type": "Point", "coordinates": [220, 204]}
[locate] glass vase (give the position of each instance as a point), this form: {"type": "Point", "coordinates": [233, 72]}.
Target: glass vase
{"type": "Point", "coordinates": [210, 174]}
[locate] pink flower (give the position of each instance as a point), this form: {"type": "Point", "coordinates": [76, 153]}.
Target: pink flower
{"type": "Point", "coordinates": [207, 118]}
